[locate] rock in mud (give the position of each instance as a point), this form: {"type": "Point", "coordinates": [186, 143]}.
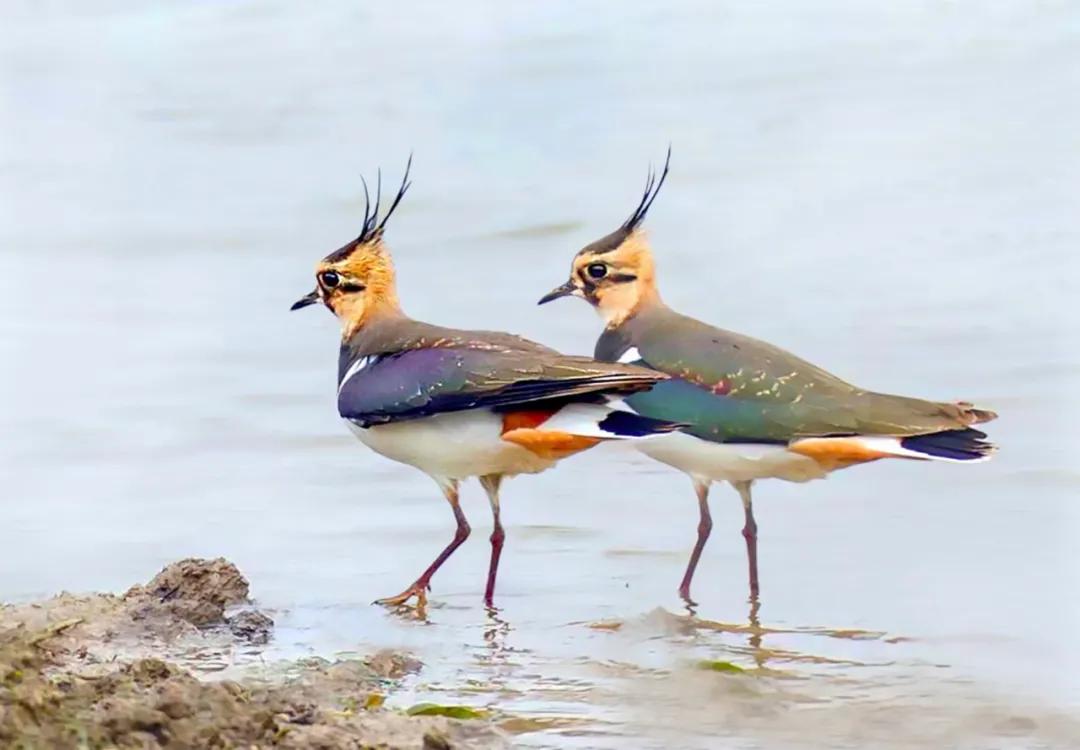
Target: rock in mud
{"type": "Point", "coordinates": [392, 665]}
{"type": "Point", "coordinates": [251, 626]}
{"type": "Point", "coordinates": [196, 591]}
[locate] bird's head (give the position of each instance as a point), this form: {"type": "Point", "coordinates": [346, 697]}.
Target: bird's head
{"type": "Point", "coordinates": [356, 281]}
{"type": "Point", "coordinates": [616, 273]}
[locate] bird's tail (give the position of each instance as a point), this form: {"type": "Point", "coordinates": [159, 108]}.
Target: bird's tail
{"type": "Point", "coordinates": [627, 424]}
{"type": "Point", "coordinates": [963, 445]}
{"type": "Point", "coordinates": [605, 421]}
{"type": "Point", "coordinates": [566, 429]}
{"type": "Point", "coordinates": [950, 445]}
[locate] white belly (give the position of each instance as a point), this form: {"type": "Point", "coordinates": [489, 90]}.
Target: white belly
{"type": "Point", "coordinates": [455, 445]}
{"type": "Point", "coordinates": [730, 462]}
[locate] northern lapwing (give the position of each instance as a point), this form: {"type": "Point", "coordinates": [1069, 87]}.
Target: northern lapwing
{"type": "Point", "coordinates": [753, 410]}
{"type": "Point", "coordinates": [458, 404]}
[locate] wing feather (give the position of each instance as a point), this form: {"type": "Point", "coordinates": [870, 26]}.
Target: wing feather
{"type": "Point", "coordinates": [425, 381]}
{"type": "Point", "coordinates": [731, 388]}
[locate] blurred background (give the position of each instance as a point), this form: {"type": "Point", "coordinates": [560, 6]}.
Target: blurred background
{"type": "Point", "coordinates": [889, 190]}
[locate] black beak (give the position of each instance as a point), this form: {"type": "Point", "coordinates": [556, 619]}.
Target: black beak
{"type": "Point", "coordinates": [308, 299]}
{"type": "Point", "coordinates": [565, 290]}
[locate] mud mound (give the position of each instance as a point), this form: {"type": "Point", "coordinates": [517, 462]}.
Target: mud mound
{"type": "Point", "coordinates": [180, 615]}
{"type": "Point", "coordinates": [103, 671]}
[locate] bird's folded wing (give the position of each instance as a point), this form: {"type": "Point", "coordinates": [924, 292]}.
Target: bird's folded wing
{"type": "Point", "coordinates": [733, 388]}
{"type": "Point", "coordinates": [422, 382]}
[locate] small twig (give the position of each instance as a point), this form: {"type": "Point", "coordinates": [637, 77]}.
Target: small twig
{"type": "Point", "coordinates": [55, 630]}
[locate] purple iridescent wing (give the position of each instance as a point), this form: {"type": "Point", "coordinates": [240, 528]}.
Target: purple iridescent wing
{"type": "Point", "coordinates": [422, 382]}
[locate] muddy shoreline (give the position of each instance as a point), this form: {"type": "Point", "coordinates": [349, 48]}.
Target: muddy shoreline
{"type": "Point", "coordinates": [104, 670]}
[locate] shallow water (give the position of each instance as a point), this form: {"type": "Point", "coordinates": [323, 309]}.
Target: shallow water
{"type": "Point", "coordinates": [889, 192]}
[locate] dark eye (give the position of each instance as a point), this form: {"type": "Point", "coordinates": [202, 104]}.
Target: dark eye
{"type": "Point", "coordinates": [597, 270]}
{"type": "Point", "coordinates": [329, 279]}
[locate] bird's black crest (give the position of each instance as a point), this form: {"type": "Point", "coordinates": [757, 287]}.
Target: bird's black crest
{"type": "Point", "coordinates": [373, 228]}
{"type": "Point", "coordinates": [652, 188]}
{"type": "Point", "coordinates": [611, 242]}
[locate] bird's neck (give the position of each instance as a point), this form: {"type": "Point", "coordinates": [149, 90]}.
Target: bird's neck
{"type": "Point", "coordinates": [621, 304]}
{"type": "Point", "coordinates": [378, 302]}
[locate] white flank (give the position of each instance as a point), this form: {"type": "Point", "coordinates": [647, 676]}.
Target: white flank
{"type": "Point", "coordinates": [455, 445]}
{"type": "Point", "coordinates": [630, 355]}
{"type": "Point", "coordinates": [730, 462]}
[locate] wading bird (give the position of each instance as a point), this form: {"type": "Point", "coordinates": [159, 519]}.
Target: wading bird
{"type": "Point", "coordinates": [458, 404]}
{"type": "Point", "coordinates": [752, 410]}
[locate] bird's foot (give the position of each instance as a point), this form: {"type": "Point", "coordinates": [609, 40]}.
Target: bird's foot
{"type": "Point", "coordinates": [418, 589]}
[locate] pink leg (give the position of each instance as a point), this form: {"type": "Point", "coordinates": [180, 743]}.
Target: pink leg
{"type": "Point", "coordinates": [422, 585]}
{"type": "Point", "coordinates": [749, 533]}
{"type": "Point", "coordinates": [491, 484]}
{"type": "Point", "coordinates": [703, 530]}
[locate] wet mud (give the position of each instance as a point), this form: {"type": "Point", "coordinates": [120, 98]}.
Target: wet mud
{"type": "Point", "coordinates": [128, 671]}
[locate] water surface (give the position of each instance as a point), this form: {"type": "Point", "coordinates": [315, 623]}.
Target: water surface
{"type": "Point", "coordinates": [890, 192]}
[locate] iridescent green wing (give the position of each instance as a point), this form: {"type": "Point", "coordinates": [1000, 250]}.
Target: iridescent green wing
{"type": "Point", "coordinates": [733, 388]}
